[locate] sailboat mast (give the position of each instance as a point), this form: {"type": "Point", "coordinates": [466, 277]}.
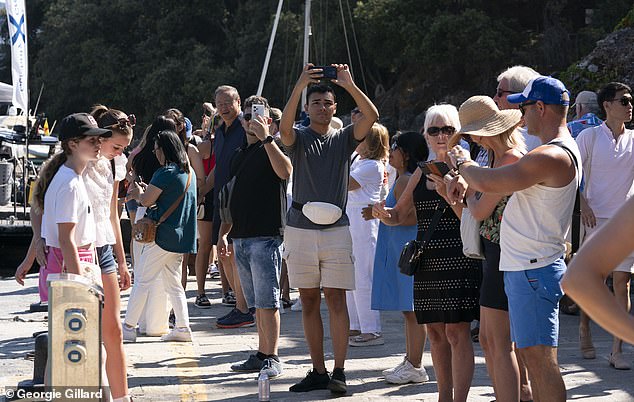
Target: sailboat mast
{"type": "Point", "coordinates": [270, 48]}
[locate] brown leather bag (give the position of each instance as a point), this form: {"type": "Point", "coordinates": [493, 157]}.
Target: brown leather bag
{"type": "Point", "coordinates": [144, 231]}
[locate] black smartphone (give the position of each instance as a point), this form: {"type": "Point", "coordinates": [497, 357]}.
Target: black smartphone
{"type": "Point", "coordinates": [330, 72]}
{"type": "Point", "coordinates": [437, 168]}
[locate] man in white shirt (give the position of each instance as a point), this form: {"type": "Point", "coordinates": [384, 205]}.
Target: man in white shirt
{"type": "Point", "coordinates": [607, 152]}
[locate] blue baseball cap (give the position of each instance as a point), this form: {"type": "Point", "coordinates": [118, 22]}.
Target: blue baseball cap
{"type": "Point", "coordinates": [549, 90]}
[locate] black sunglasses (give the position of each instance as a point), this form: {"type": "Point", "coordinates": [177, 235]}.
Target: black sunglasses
{"type": "Point", "coordinates": [355, 111]}
{"type": "Point", "coordinates": [500, 93]}
{"type": "Point", "coordinates": [524, 104]}
{"type": "Point", "coordinates": [246, 116]}
{"type": "Point", "coordinates": [394, 146]}
{"type": "Point", "coordinates": [435, 131]}
{"type": "Point", "coordinates": [626, 100]}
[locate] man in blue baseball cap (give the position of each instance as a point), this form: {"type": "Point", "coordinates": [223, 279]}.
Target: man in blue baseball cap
{"type": "Point", "coordinates": [534, 226]}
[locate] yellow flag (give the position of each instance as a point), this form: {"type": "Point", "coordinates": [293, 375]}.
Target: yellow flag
{"type": "Point", "coordinates": [46, 131]}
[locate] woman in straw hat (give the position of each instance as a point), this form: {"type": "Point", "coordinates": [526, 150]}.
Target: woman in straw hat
{"type": "Point", "coordinates": [495, 131]}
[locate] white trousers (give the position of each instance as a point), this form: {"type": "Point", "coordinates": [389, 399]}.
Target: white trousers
{"type": "Point", "coordinates": [165, 266]}
{"type": "Point", "coordinates": [153, 321]}
{"type": "Point", "coordinates": [364, 234]}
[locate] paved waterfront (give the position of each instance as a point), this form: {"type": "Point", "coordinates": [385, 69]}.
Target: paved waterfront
{"type": "Point", "coordinates": [200, 371]}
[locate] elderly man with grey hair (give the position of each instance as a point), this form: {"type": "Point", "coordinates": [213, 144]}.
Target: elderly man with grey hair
{"type": "Point", "coordinates": [586, 110]}
{"type": "Point", "coordinates": [514, 80]}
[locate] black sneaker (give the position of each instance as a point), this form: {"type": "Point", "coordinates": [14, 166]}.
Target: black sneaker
{"type": "Point", "coordinates": [202, 301]}
{"type": "Point", "coordinates": [230, 313]}
{"type": "Point", "coordinates": [252, 365]}
{"type": "Point", "coordinates": [311, 382]}
{"type": "Point", "coordinates": [236, 320]}
{"type": "Point", "coordinates": [337, 384]}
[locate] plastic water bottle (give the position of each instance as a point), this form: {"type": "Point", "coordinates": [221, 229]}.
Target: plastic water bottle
{"type": "Point", "coordinates": [264, 388]}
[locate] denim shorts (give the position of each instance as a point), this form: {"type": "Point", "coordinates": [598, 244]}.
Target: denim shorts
{"type": "Point", "coordinates": [259, 261]}
{"type": "Point", "coordinates": [534, 296]}
{"type": "Point", "coordinates": [106, 260]}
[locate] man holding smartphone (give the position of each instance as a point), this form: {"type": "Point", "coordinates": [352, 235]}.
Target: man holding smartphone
{"type": "Point", "coordinates": [318, 246]}
{"type": "Point", "coordinates": [260, 170]}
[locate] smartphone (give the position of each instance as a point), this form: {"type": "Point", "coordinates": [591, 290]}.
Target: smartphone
{"type": "Point", "coordinates": [330, 72]}
{"type": "Point", "coordinates": [257, 110]}
{"type": "Point", "coordinates": [436, 168]}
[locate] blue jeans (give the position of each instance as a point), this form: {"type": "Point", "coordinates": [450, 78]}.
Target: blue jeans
{"type": "Point", "coordinates": [534, 296]}
{"type": "Point", "coordinates": [259, 262]}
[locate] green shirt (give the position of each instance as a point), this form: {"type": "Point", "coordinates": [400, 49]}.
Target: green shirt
{"type": "Point", "coordinates": [178, 233]}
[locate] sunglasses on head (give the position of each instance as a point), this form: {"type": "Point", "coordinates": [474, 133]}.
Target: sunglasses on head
{"type": "Point", "coordinates": [124, 122]}
{"type": "Point", "coordinates": [626, 100]}
{"type": "Point", "coordinates": [355, 111]}
{"type": "Point", "coordinates": [394, 146]}
{"type": "Point", "coordinates": [523, 105]}
{"type": "Point", "coordinates": [435, 131]}
{"type": "Point", "coordinates": [500, 93]}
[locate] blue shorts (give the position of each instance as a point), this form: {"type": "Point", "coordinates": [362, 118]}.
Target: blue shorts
{"type": "Point", "coordinates": [534, 297]}
{"type": "Point", "coordinates": [259, 262]}
{"type": "Point", "coordinates": [106, 260]}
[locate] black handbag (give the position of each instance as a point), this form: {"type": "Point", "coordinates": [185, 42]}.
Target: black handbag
{"type": "Point", "coordinates": [409, 261]}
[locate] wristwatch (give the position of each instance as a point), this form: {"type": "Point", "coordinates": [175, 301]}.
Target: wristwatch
{"type": "Point", "coordinates": [461, 161]}
{"type": "Point", "coordinates": [268, 140]}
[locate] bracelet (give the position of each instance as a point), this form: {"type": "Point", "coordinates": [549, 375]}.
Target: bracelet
{"type": "Point", "coordinates": [461, 162]}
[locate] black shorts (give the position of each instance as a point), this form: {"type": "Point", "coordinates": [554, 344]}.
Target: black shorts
{"type": "Point", "coordinates": [492, 294]}
{"type": "Point", "coordinates": [208, 204]}
{"type": "Point", "coordinates": [216, 228]}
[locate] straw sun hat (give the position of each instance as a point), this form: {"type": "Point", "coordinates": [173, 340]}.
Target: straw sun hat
{"type": "Point", "coordinates": [479, 115]}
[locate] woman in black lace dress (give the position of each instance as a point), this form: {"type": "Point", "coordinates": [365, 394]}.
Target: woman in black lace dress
{"type": "Point", "coordinates": [446, 285]}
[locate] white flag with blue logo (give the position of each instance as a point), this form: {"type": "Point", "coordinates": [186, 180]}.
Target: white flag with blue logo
{"type": "Point", "coordinates": [16, 17]}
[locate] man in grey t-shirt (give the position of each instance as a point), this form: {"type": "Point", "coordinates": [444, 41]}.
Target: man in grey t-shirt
{"type": "Point", "coordinates": [318, 254]}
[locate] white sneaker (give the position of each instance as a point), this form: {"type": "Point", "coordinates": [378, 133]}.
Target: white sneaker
{"type": "Point", "coordinates": [406, 374]}
{"type": "Point", "coordinates": [391, 370]}
{"type": "Point", "coordinates": [129, 333]}
{"type": "Point", "coordinates": [178, 335]}
{"type": "Point", "coordinates": [297, 306]}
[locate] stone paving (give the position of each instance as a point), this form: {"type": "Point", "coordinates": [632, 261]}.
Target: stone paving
{"type": "Point", "coordinates": [200, 371]}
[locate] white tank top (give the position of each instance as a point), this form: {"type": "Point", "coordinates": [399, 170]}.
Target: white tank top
{"type": "Point", "coordinates": [536, 221]}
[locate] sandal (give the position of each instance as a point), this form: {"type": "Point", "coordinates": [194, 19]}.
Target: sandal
{"type": "Point", "coordinates": [370, 339]}
{"type": "Point", "coordinates": [287, 303]}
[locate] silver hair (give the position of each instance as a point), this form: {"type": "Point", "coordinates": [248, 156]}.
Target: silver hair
{"type": "Point", "coordinates": [518, 77]}
{"type": "Point", "coordinates": [447, 112]}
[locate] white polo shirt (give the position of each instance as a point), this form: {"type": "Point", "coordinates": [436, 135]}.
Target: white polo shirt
{"type": "Point", "coordinates": [66, 201]}
{"type": "Point", "coordinates": [611, 179]}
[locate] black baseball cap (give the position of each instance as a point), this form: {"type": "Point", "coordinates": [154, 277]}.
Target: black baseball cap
{"type": "Point", "coordinates": [80, 124]}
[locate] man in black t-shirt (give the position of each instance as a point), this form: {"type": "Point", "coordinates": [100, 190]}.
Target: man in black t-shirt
{"type": "Point", "coordinates": [257, 207]}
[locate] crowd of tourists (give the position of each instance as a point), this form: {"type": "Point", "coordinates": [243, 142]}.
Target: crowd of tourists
{"type": "Point", "coordinates": [469, 219]}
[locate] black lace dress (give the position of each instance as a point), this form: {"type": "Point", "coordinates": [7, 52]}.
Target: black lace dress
{"type": "Point", "coordinates": [446, 285]}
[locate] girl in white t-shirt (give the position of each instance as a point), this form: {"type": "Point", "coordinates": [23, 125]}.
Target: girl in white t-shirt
{"type": "Point", "coordinates": [366, 181]}
{"type": "Point", "coordinates": [101, 179]}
